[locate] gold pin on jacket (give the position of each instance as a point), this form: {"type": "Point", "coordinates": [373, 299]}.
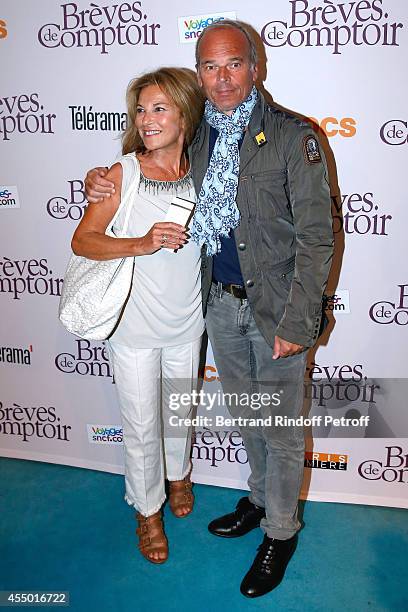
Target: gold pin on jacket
{"type": "Point", "coordinates": [260, 139]}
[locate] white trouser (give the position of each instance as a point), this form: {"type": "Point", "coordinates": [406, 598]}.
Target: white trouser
{"type": "Point", "coordinates": [144, 380]}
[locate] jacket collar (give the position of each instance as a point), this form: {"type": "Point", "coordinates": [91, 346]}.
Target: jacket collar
{"type": "Point", "coordinates": [250, 148]}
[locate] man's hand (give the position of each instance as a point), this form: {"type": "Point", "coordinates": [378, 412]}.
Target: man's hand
{"type": "Point", "coordinates": [282, 348]}
{"type": "Point", "coordinates": [96, 187]}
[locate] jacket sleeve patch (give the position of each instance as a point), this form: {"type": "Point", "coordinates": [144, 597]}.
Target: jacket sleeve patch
{"type": "Point", "coordinates": [311, 150]}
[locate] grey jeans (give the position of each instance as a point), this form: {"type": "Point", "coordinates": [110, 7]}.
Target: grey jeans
{"type": "Point", "coordinates": [275, 452]}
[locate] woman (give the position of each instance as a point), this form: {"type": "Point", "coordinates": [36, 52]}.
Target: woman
{"type": "Point", "coordinates": [155, 347]}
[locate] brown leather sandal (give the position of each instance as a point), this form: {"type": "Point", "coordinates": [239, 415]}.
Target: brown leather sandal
{"type": "Point", "coordinates": [181, 497]}
{"type": "Point", "coordinates": [152, 538]}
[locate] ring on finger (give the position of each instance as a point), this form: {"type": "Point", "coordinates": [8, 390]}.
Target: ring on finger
{"type": "Point", "coordinates": [164, 238]}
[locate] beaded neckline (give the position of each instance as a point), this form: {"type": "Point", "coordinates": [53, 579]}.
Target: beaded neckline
{"type": "Point", "coordinates": [156, 185]}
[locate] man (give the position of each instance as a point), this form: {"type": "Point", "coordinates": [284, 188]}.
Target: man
{"type": "Point", "coordinates": [263, 218]}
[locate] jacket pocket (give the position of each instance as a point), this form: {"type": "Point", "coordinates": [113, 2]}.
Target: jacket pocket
{"type": "Point", "coordinates": [277, 280]}
{"type": "Point", "coordinates": [283, 270]}
{"type": "Point", "coordinates": [270, 194]}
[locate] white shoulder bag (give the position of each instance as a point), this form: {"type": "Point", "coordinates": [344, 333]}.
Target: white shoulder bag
{"type": "Point", "coordinates": [95, 292]}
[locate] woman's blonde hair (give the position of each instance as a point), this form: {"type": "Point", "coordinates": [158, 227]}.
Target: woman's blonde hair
{"type": "Point", "coordinates": [180, 85]}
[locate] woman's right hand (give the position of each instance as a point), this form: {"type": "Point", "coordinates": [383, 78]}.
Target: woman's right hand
{"type": "Point", "coordinates": [165, 235]}
{"type": "Point", "coordinates": [96, 186]}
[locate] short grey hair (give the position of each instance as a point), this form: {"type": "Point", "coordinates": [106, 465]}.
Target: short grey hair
{"type": "Point", "coordinates": [236, 25]}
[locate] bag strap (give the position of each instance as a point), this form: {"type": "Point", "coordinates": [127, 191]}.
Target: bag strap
{"type": "Point", "coordinates": [131, 193]}
{"type": "Point", "coordinates": [130, 165]}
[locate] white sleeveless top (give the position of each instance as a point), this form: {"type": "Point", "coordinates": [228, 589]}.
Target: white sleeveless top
{"type": "Point", "coordinates": [164, 307]}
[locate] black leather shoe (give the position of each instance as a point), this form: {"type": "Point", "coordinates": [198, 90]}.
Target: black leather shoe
{"type": "Point", "coordinates": [246, 517]}
{"type": "Point", "coordinates": [268, 567]}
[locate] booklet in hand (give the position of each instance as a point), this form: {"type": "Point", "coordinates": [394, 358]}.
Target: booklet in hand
{"type": "Point", "coordinates": [180, 211]}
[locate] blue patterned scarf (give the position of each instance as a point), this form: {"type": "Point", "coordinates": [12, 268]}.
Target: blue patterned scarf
{"type": "Point", "coordinates": [216, 211]}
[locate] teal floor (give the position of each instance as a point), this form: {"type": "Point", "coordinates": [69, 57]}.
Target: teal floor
{"type": "Point", "coordinates": [68, 529]}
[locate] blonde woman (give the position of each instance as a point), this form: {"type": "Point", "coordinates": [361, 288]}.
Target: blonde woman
{"type": "Point", "coordinates": [155, 348]}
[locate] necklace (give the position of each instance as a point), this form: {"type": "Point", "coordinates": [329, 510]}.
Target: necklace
{"type": "Point", "coordinates": [156, 186]}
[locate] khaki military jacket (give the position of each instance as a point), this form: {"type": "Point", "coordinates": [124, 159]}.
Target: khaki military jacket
{"type": "Point", "coordinates": [285, 238]}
